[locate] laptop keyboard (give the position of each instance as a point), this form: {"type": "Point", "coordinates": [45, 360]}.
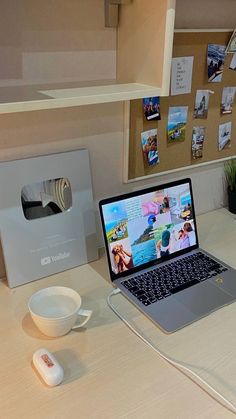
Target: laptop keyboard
{"type": "Point", "coordinates": [171, 278]}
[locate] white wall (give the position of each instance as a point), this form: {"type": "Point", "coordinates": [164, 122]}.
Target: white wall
{"type": "Point", "coordinates": [205, 14]}
{"type": "Point", "coordinates": [55, 41]}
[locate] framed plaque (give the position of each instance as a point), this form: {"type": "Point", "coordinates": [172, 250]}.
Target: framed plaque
{"type": "Point", "coordinates": [46, 215]}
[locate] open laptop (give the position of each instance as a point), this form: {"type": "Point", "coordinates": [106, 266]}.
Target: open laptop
{"type": "Point", "coordinates": [154, 257]}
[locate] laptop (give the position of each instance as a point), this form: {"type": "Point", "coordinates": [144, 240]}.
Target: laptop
{"type": "Point", "coordinates": [154, 256]}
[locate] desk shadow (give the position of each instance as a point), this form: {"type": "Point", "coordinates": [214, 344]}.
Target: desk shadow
{"type": "Point", "coordinates": [100, 266]}
{"type": "Point", "coordinates": [72, 365]}
{"type": "Point", "coordinates": [102, 315]}
{"type": "Point", "coordinates": [31, 329]}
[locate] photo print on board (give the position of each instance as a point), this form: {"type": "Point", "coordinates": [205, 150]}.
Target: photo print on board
{"type": "Point", "coordinates": [232, 65]}
{"type": "Point", "coordinates": [149, 147]}
{"type": "Point", "coordinates": [215, 62]}
{"type": "Point", "coordinates": [197, 142]}
{"type": "Point", "coordinates": [227, 100]}
{"type": "Point", "coordinates": [224, 140]}
{"type": "Point", "coordinates": [177, 120]}
{"type": "Point", "coordinates": [231, 47]}
{"type": "Point", "coordinates": [151, 108]}
{"type": "Point", "coordinates": [201, 104]}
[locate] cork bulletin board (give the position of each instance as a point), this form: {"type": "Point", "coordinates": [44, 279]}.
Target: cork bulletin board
{"type": "Point", "coordinates": [178, 155]}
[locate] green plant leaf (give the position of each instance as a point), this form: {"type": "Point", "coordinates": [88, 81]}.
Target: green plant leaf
{"type": "Point", "coordinates": [230, 174]}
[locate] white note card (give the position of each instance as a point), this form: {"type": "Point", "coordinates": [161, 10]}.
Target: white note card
{"type": "Point", "coordinates": [181, 75]}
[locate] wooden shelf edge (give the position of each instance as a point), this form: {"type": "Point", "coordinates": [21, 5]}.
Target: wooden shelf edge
{"type": "Point", "coordinates": [64, 98]}
{"type": "Point", "coordinates": [178, 169]}
{"type": "Point", "coordinates": [214, 30]}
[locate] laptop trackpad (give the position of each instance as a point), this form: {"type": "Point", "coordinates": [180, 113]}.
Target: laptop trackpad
{"type": "Point", "coordinates": [203, 298]}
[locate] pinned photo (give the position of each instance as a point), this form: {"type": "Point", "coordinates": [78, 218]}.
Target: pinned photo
{"type": "Point", "coordinates": [197, 142]}
{"type": "Point", "coordinates": [227, 100]}
{"type": "Point", "coordinates": [151, 108]}
{"type": "Point", "coordinates": [177, 120]}
{"type": "Point", "coordinates": [215, 62]}
{"type": "Point", "coordinates": [232, 65]}
{"type": "Point", "coordinates": [231, 47]}
{"type": "Point", "coordinates": [201, 104]}
{"type": "Point", "coordinates": [224, 140]}
{"type": "Point", "coordinates": [149, 147]}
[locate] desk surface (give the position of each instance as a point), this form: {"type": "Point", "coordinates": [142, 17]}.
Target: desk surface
{"type": "Point", "coordinates": [109, 372]}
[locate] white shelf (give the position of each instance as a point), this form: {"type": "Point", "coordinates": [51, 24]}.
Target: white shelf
{"type": "Point", "coordinates": [32, 98]}
{"type": "Point", "coordinates": [50, 46]}
{"type": "Point", "coordinates": [199, 30]}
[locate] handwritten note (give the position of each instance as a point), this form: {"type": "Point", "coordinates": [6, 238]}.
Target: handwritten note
{"type": "Point", "coordinates": [181, 75]}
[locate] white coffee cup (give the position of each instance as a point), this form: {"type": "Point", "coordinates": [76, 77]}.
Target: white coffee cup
{"type": "Point", "coordinates": [55, 310]}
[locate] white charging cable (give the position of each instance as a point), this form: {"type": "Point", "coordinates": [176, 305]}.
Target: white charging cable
{"type": "Point", "coordinates": [185, 370]}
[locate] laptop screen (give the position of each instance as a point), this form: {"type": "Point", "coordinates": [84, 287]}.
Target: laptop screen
{"type": "Point", "coordinates": [149, 226]}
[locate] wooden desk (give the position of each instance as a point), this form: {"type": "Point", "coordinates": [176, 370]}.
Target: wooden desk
{"type": "Point", "coordinates": [109, 372]}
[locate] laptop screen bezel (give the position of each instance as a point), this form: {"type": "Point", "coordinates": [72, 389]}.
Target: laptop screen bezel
{"type": "Point", "coordinates": [140, 192]}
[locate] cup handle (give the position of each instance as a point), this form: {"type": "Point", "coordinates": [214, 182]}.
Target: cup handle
{"type": "Point", "coordinates": [85, 313]}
